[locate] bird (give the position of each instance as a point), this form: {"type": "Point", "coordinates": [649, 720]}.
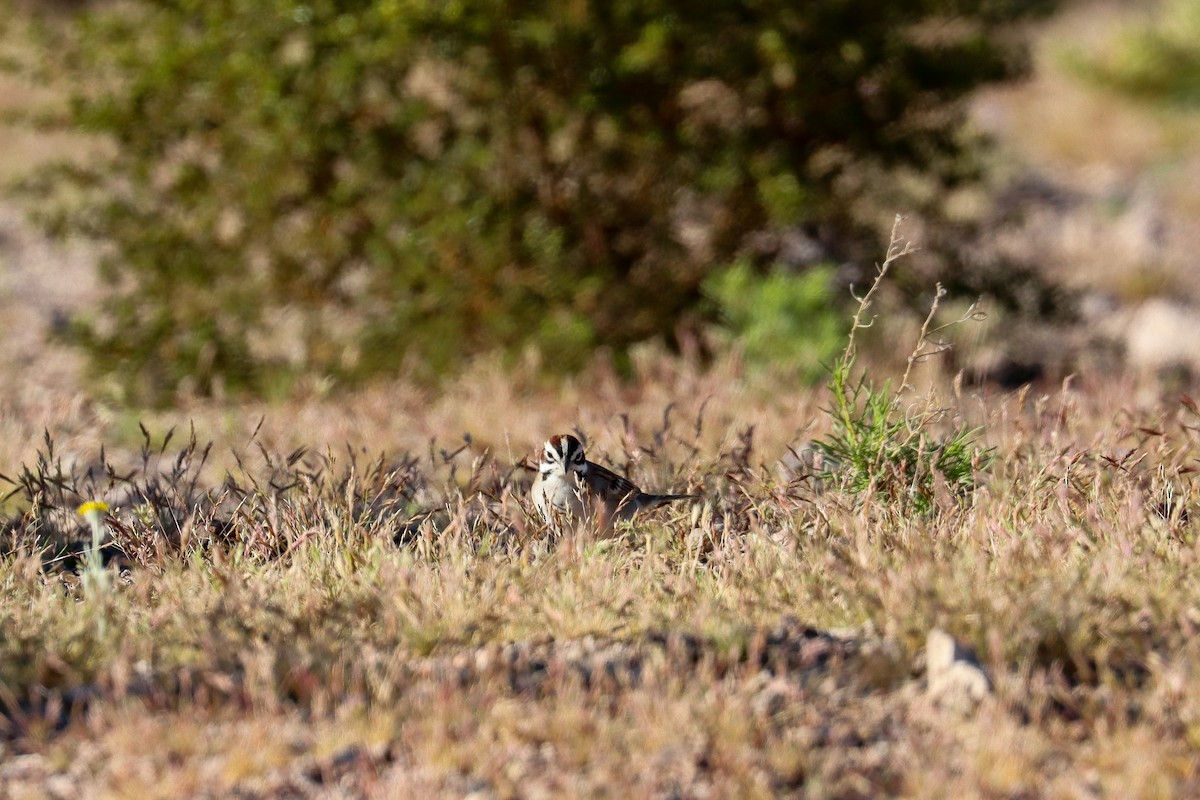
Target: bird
{"type": "Point", "coordinates": [569, 487]}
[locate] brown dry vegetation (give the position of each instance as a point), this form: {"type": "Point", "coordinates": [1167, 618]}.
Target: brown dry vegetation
{"type": "Point", "coordinates": [1123, 173]}
{"type": "Point", "coordinates": [314, 642]}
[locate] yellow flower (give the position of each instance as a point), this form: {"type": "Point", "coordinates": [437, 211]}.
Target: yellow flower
{"type": "Point", "coordinates": [92, 507]}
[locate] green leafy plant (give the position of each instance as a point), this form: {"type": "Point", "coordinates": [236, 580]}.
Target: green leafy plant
{"type": "Point", "coordinates": [880, 445]}
{"type": "Point", "coordinates": [344, 188]}
{"type": "Point", "coordinates": [782, 320]}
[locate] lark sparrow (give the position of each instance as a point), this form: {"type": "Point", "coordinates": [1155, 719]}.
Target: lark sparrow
{"type": "Point", "coordinates": [570, 486]}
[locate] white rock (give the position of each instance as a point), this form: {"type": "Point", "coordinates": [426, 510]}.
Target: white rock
{"type": "Point", "coordinates": [955, 678]}
{"type": "Point", "coordinates": [1163, 333]}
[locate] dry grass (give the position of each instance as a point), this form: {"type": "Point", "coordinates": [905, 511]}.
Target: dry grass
{"type": "Point", "coordinates": [408, 628]}
{"type": "Point", "coordinates": [312, 641]}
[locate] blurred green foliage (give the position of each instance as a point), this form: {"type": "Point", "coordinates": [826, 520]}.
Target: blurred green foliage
{"type": "Point", "coordinates": [1157, 61]}
{"type": "Point", "coordinates": [783, 320]}
{"type": "Point", "coordinates": [346, 186]}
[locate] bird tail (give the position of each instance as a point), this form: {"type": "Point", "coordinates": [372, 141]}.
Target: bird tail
{"type": "Point", "coordinates": [659, 500]}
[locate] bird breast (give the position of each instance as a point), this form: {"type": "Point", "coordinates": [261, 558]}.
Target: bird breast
{"type": "Point", "coordinates": [561, 493]}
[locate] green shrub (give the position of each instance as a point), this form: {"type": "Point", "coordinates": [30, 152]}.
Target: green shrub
{"type": "Point", "coordinates": [343, 187]}
{"type": "Point", "coordinates": [782, 320]}
{"type": "Point", "coordinates": [1158, 61]}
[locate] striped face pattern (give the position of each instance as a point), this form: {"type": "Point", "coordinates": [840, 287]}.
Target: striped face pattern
{"type": "Point", "coordinates": [563, 452]}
